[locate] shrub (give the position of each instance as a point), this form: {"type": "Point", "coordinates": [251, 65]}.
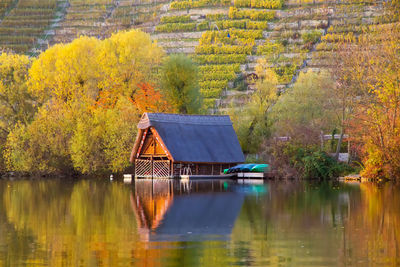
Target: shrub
{"type": "Point", "coordinates": [220, 59]}
{"type": "Point", "coordinates": [219, 16]}
{"type": "Point", "coordinates": [292, 159]}
{"type": "Point", "coordinates": [203, 26]}
{"type": "Point", "coordinates": [273, 4]}
{"type": "Point", "coordinates": [269, 48]}
{"type": "Point", "coordinates": [311, 37]}
{"type": "Point", "coordinates": [257, 25]}
{"type": "Point", "coordinates": [319, 165]}
{"type": "Point", "coordinates": [213, 84]}
{"type": "Point", "coordinates": [201, 3]}
{"type": "Point", "coordinates": [285, 73]}
{"type": "Point", "coordinates": [235, 13]}
{"type": "Point", "coordinates": [223, 49]}
{"type": "Point", "coordinates": [220, 68]}
{"type": "Point", "coordinates": [174, 19]}
{"type": "Point", "coordinates": [232, 36]}
{"type": "Point", "coordinates": [336, 37]}
{"type": "Point", "coordinates": [217, 75]}
{"type": "Point", "coordinates": [176, 27]}
{"type": "Point", "coordinates": [326, 47]}
{"type": "Point", "coordinates": [211, 92]}
{"type": "Point", "coordinates": [226, 24]}
{"type": "Point", "coordinates": [242, 24]}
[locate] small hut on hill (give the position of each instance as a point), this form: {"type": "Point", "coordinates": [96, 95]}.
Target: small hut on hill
{"type": "Point", "coordinates": [170, 145]}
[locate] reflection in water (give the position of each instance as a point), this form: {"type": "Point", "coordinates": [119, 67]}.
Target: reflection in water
{"type": "Point", "coordinates": [169, 210]}
{"type": "Point", "coordinates": [211, 223]}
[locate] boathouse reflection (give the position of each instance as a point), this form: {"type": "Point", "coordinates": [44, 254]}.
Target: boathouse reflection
{"type": "Point", "coordinates": [181, 211]}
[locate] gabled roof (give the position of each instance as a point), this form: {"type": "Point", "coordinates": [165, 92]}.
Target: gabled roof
{"type": "Point", "coordinates": [194, 138]}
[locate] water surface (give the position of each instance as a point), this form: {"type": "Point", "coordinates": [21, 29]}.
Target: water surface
{"type": "Point", "coordinates": [204, 223]}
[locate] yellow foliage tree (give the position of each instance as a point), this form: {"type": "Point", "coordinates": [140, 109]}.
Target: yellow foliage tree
{"type": "Point", "coordinates": [16, 104]}
{"type": "Point", "coordinates": [88, 117]}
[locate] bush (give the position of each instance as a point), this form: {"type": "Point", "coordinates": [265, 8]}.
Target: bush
{"type": "Point", "coordinates": [242, 24]}
{"type": "Point", "coordinates": [319, 165]}
{"type": "Point", "coordinates": [269, 48]}
{"type": "Point", "coordinates": [217, 76]}
{"type": "Point", "coordinates": [220, 68]}
{"type": "Point", "coordinates": [201, 3]}
{"type": "Point", "coordinates": [273, 4]}
{"type": "Point", "coordinates": [203, 26]}
{"type": "Point", "coordinates": [211, 92]}
{"type": "Point", "coordinates": [215, 16]}
{"type": "Point", "coordinates": [224, 49]}
{"type": "Point", "coordinates": [176, 27]}
{"type": "Point", "coordinates": [232, 36]}
{"type": "Point", "coordinates": [209, 102]}
{"type": "Point", "coordinates": [311, 37]}
{"type": "Point", "coordinates": [174, 19]}
{"type": "Point", "coordinates": [220, 59]}
{"type": "Point", "coordinates": [285, 73]}
{"type": "Point", "coordinates": [226, 24]}
{"type": "Point", "coordinates": [213, 84]}
{"type": "Point", "coordinates": [336, 37]}
{"type": "Point", "coordinates": [292, 159]}
{"type": "Point", "coordinates": [235, 13]}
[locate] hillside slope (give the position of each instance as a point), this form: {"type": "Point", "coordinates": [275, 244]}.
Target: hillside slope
{"type": "Point", "coordinates": [225, 37]}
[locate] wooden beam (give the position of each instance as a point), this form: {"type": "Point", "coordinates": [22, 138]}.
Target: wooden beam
{"type": "Point", "coordinates": [164, 147]}
{"type": "Point", "coordinates": [141, 143]}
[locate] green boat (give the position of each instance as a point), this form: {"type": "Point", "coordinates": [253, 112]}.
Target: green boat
{"type": "Point", "coordinates": [260, 168]}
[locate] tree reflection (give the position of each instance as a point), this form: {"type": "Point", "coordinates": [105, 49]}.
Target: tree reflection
{"type": "Point", "coordinates": [84, 223]}
{"type": "Point", "coordinates": [167, 223]}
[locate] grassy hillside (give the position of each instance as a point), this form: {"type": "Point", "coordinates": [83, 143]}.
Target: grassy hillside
{"type": "Point", "coordinates": [225, 37]}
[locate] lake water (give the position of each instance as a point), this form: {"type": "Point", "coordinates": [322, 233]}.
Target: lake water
{"type": "Point", "coordinates": [209, 223]}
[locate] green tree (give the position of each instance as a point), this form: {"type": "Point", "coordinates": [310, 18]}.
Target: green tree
{"type": "Point", "coordinates": [309, 106]}
{"type": "Point", "coordinates": [251, 121]}
{"type": "Point", "coordinates": [179, 80]}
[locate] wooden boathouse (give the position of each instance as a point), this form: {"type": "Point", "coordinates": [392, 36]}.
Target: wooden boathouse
{"type": "Point", "coordinates": [171, 145]}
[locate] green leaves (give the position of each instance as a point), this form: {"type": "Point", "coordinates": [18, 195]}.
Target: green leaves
{"type": "Point", "coordinates": [179, 81]}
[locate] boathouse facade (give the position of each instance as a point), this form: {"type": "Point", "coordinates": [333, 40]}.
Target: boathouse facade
{"type": "Point", "coordinates": [170, 145]}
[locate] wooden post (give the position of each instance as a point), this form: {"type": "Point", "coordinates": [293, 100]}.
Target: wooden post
{"type": "Point", "coordinates": [172, 169]}
{"type": "Point", "coordinates": [348, 150]}
{"type": "Point", "coordinates": [322, 141]}
{"type": "Point", "coordinates": [152, 167]}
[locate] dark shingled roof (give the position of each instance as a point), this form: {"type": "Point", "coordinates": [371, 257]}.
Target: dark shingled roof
{"type": "Point", "coordinates": [196, 138]}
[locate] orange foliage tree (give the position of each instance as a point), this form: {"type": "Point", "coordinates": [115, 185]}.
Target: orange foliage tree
{"type": "Point", "coordinates": [371, 70]}
{"type": "Point", "coordinates": [148, 99]}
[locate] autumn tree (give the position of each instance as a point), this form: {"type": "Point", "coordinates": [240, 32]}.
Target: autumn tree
{"type": "Point", "coordinates": [16, 103]}
{"type": "Point", "coordinates": [374, 62]}
{"type": "Point", "coordinates": [179, 81]}
{"type": "Point", "coordinates": [148, 99]}
{"type": "Point", "coordinates": [102, 139]}
{"type": "Point", "coordinates": [91, 94]}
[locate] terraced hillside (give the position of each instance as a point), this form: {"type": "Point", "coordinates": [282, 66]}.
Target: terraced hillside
{"type": "Point", "coordinates": [226, 37]}
{"type": "Point", "coordinates": [24, 23]}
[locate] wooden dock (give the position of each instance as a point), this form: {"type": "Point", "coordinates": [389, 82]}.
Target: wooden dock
{"type": "Point", "coordinates": [127, 178]}
{"type": "Point", "coordinates": [234, 176]}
